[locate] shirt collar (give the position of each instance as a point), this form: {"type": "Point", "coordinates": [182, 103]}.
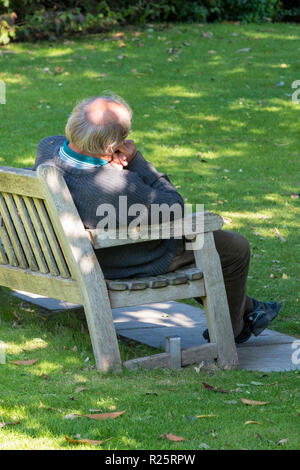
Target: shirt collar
{"type": "Point", "coordinates": [77, 160]}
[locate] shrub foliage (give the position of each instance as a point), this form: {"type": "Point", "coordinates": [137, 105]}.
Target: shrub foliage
{"type": "Point", "coordinates": [40, 19]}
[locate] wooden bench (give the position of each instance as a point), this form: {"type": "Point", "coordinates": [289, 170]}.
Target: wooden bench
{"type": "Point", "coordinates": [46, 250]}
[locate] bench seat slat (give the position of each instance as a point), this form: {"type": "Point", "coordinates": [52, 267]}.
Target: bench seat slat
{"type": "Point", "coordinates": [175, 278]}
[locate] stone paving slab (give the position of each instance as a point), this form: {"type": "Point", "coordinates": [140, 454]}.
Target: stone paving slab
{"type": "Point", "coordinates": [150, 324]}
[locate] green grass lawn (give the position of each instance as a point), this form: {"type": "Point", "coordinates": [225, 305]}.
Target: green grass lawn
{"type": "Point", "coordinates": [209, 112]}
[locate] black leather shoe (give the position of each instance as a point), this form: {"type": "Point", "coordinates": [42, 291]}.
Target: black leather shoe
{"type": "Point", "coordinates": [241, 338]}
{"type": "Point", "coordinates": [262, 315]}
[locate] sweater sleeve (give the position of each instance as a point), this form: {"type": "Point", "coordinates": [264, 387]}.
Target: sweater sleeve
{"type": "Point", "coordinates": [149, 174]}
{"type": "Point", "coordinates": [160, 194]}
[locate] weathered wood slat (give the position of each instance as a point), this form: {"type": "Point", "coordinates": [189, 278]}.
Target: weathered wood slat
{"type": "Point", "coordinates": [192, 273]}
{"type": "Point", "coordinates": [127, 298]}
{"type": "Point", "coordinates": [12, 234]}
{"type": "Point", "coordinates": [208, 222]}
{"type": "Point", "coordinates": [155, 282]}
{"type": "Point", "coordinates": [12, 180]}
{"type": "Point", "coordinates": [39, 230]}
{"type": "Point", "coordinates": [48, 228]}
{"type": "Point", "coordinates": [7, 244]}
{"type": "Point", "coordinates": [205, 352]}
{"type": "Point", "coordinates": [33, 240]}
{"type": "Point", "coordinates": [3, 257]}
{"type": "Point", "coordinates": [43, 284]}
{"type": "Point", "coordinates": [175, 278]}
{"type": "Point", "coordinates": [20, 231]}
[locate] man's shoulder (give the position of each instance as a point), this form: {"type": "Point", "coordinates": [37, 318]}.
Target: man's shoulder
{"type": "Point", "coordinates": [51, 142]}
{"type": "Point", "coordinates": [47, 148]}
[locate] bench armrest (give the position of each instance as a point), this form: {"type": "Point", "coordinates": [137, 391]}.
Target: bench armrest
{"type": "Point", "coordinates": [189, 227]}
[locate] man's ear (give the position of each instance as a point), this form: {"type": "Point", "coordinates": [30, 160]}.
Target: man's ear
{"type": "Point", "coordinates": [110, 150]}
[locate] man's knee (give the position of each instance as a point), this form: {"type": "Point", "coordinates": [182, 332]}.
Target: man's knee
{"type": "Point", "coordinates": [231, 245]}
{"type": "Point", "coordinates": [242, 246]}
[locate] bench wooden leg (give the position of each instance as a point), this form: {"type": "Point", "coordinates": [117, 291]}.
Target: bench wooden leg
{"type": "Point", "coordinates": [215, 303]}
{"type": "Point", "coordinates": [102, 331]}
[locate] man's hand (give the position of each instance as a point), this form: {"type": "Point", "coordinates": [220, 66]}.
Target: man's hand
{"type": "Point", "coordinates": [123, 155]}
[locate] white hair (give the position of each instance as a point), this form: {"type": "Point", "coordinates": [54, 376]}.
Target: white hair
{"type": "Point", "coordinates": [96, 138]}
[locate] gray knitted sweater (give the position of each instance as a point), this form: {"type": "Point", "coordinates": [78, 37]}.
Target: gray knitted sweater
{"type": "Point", "coordinates": [141, 183]}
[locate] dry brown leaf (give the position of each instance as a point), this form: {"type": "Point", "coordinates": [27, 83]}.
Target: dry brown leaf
{"type": "Point", "coordinates": [226, 220]}
{"type": "Point", "coordinates": [118, 35]}
{"type": "Point", "coordinates": [172, 437]}
{"type": "Point", "coordinates": [85, 441]}
{"type": "Point", "coordinates": [253, 402]}
{"type": "Point", "coordinates": [103, 416]}
{"type": "Point", "coordinates": [25, 363]}
{"type": "Point", "coordinates": [215, 389]}
{"type": "Point", "coordinates": [9, 424]}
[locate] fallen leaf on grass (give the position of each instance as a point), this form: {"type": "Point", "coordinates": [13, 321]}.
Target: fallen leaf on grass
{"type": "Point", "coordinates": [71, 416]}
{"type": "Point", "coordinates": [25, 363]}
{"type": "Point", "coordinates": [203, 446]}
{"type": "Point", "coordinates": [282, 441]}
{"type": "Point", "coordinates": [278, 234]}
{"type": "Point", "coordinates": [80, 389]}
{"type": "Point", "coordinates": [215, 389]}
{"type": "Point", "coordinates": [226, 220]}
{"type": "Point", "coordinates": [172, 437]}
{"type": "Point", "coordinates": [85, 441]}
{"type": "Point", "coordinates": [206, 416]}
{"type": "Point", "coordinates": [253, 402]}
{"type": "Point", "coordinates": [251, 422]}
{"type": "Point", "coordinates": [245, 49]}
{"type": "Point", "coordinates": [104, 416]}
{"type": "Point", "coordinates": [9, 424]}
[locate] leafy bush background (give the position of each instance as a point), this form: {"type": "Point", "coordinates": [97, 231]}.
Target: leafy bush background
{"type": "Point", "coordinates": [43, 19]}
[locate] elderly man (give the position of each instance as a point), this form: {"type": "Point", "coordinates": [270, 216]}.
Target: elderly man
{"type": "Point", "coordinates": [99, 165]}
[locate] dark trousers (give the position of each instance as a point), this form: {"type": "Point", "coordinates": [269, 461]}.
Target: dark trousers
{"type": "Point", "coordinates": [234, 252]}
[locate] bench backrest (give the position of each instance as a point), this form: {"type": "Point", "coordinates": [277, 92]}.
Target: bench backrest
{"type": "Point", "coordinates": [38, 221]}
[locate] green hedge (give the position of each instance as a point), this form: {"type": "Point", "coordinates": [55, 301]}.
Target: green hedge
{"type": "Point", "coordinates": [38, 19]}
